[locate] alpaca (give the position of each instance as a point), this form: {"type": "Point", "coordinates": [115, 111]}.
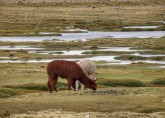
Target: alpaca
{"type": "Point", "coordinates": [89, 68]}
{"type": "Point", "coordinates": [69, 70]}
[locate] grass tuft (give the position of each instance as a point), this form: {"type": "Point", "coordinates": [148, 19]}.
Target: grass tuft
{"type": "Point", "coordinates": [159, 81]}
{"type": "Point", "coordinates": [6, 92]}
{"type": "Point", "coordinates": [36, 86]}
{"type": "Point", "coordinates": [149, 109]}
{"type": "Point", "coordinates": [122, 82]}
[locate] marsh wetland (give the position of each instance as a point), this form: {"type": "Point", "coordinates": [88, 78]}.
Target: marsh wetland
{"type": "Point", "coordinates": [126, 39]}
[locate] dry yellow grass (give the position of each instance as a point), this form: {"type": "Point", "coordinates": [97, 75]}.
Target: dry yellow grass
{"type": "Point", "coordinates": [104, 15]}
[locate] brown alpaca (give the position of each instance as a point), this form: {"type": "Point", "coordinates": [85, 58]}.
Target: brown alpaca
{"type": "Point", "coordinates": [69, 70]}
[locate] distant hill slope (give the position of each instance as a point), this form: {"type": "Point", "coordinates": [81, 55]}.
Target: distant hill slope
{"type": "Point", "coordinates": [52, 1]}
{"type": "Point", "coordinates": [81, 1]}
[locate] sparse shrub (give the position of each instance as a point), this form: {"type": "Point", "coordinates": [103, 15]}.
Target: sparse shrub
{"type": "Point", "coordinates": [11, 55]}
{"type": "Point", "coordinates": [38, 58]}
{"type": "Point", "coordinates": [5, 92]}
{"type": "Point", "coordinates": [32, 86]}
{"type": "Point", "coordinates": [90, 52]}
{"type": "Point", "coordinates": [149, 109]}
{"type": "Point", "coordinates": [93, 52]}
{"type": "Point", "coordinates": [122, 82]}
{"type": "Point", "coordinates": [29, 86]}
{"type": "Point", "coordinates": [130, 57]}
{"type": "Point", "coordinates": [93, 47]}
{"type": "Point", "coordinates": [59, 52]}
{"type": "Point", "coordinates": [159, 81]}
{"type": "Point", "coordinates": [22, 51]}
{"type": "Point", "coordinates": [36, 86]}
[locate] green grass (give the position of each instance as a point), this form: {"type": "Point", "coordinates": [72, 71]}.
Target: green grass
{"type": "Point", "coordinates": [159, 81]}
{"type": "Point", "coordinates": [142, 72]}
{"type": "Point", "coordinates": [150, 109]}
{"type": "Point", "coordinates": [124, 82]}
{"type": "Point", "coordinates": [6, 92]}
{"type": "Point", "coordinates": [143, 102]}
{"type": "Point", "coordinates": [18, 19]}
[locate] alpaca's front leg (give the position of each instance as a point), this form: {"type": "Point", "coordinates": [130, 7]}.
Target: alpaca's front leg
{"type": "Point", "coordinates": [74, 85]}
{"type": "Point", "coordinates": [69, 83]}
{"type": "Point", "coordinates": [77, 85]}
{"type": "Point", "coordinates": [49, 86]}
{"type": "Point", "coordinates": [82, 87]}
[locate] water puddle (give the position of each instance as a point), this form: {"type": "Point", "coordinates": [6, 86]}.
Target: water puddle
{"type": "Point", "coordinates": [120, 49]}
{"type": "Point", "coordinates": [158, 67]}
{"type": "Point", "coordinates": [75, 30]}
{"type": "Point", "coordinates": [147, 55]}
{"type": "Point", "coordinates": [160, 21]}
{"type": "Point", "coordinates": [9, 57]}
{"type": "Point", "coordinates": [141, 27]}
{"type": "Point", "coordinates": [19, 48]}
{"type": "Point", "coordinates": [87, 36]}
{"type": "Point", "coordinates": [69, 52]}
{"type": "Point", "coordinates": [80, 52]}
{"type": "Point", "coordinates": [109, 59]}
{"type": "Point", "coordinates": [34, 60]}
{"type": "Point", "coordinates": [104, 58]}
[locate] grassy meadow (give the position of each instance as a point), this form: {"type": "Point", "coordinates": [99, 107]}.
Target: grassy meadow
{"type": "Point", "coordinates": [134, 88]}
{"type": "Point", "coordinates": [138, 87]}
{"type": "Point", "coordinates": [29, 19]}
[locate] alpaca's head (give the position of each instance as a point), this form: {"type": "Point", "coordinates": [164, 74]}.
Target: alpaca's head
{"type": "Point", "coordinates": [92, 84]}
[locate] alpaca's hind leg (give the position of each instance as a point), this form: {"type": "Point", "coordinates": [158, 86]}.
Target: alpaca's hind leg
{"type": "Point", "coordinates": [48, 85]}
{"type": "Point", "coordinates": [55, 82]}
{"type": "Point", "coordinates": [52, 83]}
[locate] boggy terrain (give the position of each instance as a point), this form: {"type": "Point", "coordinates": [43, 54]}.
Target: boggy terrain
{"type": "Point", "coordinates": [133, 90]}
